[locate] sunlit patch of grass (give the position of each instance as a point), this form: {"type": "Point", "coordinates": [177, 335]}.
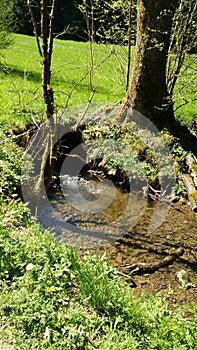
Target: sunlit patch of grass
{"type": "Point", "coordinates": [73, 70]}
{"type": "Point", "coordinates": [20, 77]}
{"type": "Point", "coordinates": [186, 91]}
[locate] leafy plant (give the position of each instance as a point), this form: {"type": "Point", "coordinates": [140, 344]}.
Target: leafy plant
{"type": "Point", "coordinates": [10, 168]}
{"type": "Point", "coordinates": [180, 156]}
{"type": "Point", "coordinates": [14, 213]}
{"type": "Point", "coordinates": [180, 189]}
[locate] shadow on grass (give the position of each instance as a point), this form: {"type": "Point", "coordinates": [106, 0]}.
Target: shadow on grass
{"type": "Point", "coordinates": [15, 72]}
{"type": "Point", "coordinates": [187, 140]}
{"type": "Point", "coordinates": [36, 77]}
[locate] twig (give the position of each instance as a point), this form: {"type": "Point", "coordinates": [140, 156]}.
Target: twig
{"type": "Point", "coordinates": [35, 26]}
{"type": "Point", "coordinates": [62, 33]}
{"type": "Point", "coordinates": [128, 277]}
{"type": "Point", "coordinates": [15, 136]}
{"type": "Point", "coordinates": [86, 109]}
{"type": "Point", "coordinates": [185, 103]}
{"type": "Point", "coordinates": [83, 77]}
{"type": "Point", "coordinates": [51, 29]}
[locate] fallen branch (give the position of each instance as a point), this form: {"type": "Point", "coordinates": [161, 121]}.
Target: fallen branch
{"type": "Point", "coordinates": [191, 191]}
{"type": "Point", "coordinates": [191, 162]}
{"type": "Point", "coordinates": [128, 278]}
{"type": "Point", "coordinates": [142, 268]}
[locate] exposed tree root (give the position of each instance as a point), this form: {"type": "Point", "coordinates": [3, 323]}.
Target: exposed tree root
{"type": "Point", "coordinates": [142, 268]}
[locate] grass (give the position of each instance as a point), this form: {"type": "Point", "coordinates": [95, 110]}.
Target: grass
{"type": "Point", "coordinates": [20, 78]}
{"type": "Point", "coordinates": [186, 91]}
{"type": "Point", "coordinates": [52, 299]}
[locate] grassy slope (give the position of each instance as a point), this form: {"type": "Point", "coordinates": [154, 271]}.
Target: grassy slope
{"type": "Point", "coordinates": [186, 90]}
{"type": "Point", "coordinates": [20, 83]}
{"type": "Point", "coordinates": [53, 300]}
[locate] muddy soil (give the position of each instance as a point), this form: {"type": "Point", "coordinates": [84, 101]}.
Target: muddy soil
{"type": "Point", "coordinates": [179, 230]}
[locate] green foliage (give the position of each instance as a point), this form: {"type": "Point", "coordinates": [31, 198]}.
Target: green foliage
{"type": "Point", "coordinates": [108, 21]}
{"type": "Point", "coordinates": [5, 40]}
{"type": "Point", "coordinates": [53, 299]}
{"type": "Point", "coordinates": [180, 189]}
{"type": "Point", "coordinates": [22, 19]}
{"type": "Point", "coordinates": [185, 91]}
{"type": "Point", "coordinates": [179, 155]}
{"type": "Point", "coordinates": [6, 10]}
{"type": "Point", "coordinates": [5, 24]}
{"type": "Point", "coordinates": [50, 298]}
{"type": "Point", "coordinates": [10, 167]}
{"type": "Point", "coordinates": [69, 23]}
{"type": "Point", "coordinates": [143, 156]}
{"type": "Point", "coordinates": [21, 95]}
{"type": "Point", "coordinates": [14, 213]}
{"type": "Point", "coordinates": [101, 287]}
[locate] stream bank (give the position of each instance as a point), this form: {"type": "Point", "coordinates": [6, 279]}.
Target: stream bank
{"type": "Point", "coordinates": [179, 230]}
{"type": "Point", "coordinates": [131, 242]}
{"type": "Point", "coordinates": [128, 242]}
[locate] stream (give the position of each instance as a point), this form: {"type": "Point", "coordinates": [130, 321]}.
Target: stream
{"type": "Point", "coordinates": [106, 219]}
{"type": "Point", "coordinates": [97, 211]}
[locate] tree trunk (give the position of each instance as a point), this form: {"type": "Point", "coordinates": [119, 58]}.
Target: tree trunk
{"type": "Point", "coordinates": [148, 90]}
{"type": "Point", "coordinates": [48, 158]}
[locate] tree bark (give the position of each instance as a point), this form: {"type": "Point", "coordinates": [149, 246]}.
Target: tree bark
{"type": "Point", "coordinates": [49, 152]}
{"type": "Point", "coordinates": [148, 90]}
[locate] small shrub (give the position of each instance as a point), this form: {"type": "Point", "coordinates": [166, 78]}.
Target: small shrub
{"type": "Point", "coordinates": [10, 169]}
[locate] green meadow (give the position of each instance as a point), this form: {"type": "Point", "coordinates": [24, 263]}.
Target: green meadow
{"type": "Point", "coordinates": [74, 72]}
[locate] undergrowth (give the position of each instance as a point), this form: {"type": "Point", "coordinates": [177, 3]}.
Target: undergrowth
{"type": "Point", "coordinates": [52, 299]}
{"type": "Point", "coordinates": [137, 153]}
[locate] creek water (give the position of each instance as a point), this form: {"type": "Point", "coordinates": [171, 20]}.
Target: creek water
{"type": "Point", "coordinates": [106, 219]}
{"type": "Point", "coordinates": [97, 211]}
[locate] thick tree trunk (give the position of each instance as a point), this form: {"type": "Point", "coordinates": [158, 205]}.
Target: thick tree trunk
{"type": "Point", "coordinates": [148, 91]}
